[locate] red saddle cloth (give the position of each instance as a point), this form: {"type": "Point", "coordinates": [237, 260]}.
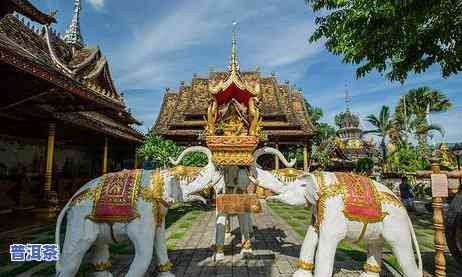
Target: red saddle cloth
{"type": "Point", "coordinates": [361, 200]}
{"type": "Point", "coordinates": [116, 198]}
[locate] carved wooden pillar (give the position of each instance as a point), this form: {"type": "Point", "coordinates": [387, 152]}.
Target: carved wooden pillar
{"type": "Point", "coordinates": [305, 157]}
{"type": "Point", "coordinates": [50, 154]}
{"type": "Point", "coordinates": [438, 225]}
{"type": "Point", "coordinates": [276, 158]}
{"type": "Point", "coordinates": [104, 166]}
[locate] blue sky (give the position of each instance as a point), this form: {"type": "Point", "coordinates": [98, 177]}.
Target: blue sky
{"type": "Point", "coordinates": [152, 45]}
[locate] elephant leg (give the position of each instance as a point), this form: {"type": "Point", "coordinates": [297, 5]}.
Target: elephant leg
{"type": "Point", "coordinates": [246, 244]}
{"type": "Point", "coordinates": [141, 232]}
{"type": "Point", "coordinates": [100, 260]}
{"type": "Point", "coordinates": [220, 237]}
{"type": "Point", "coordinates": [164, 264]}
{"type": "Point", "coordinates": [79, 238]}
{"type": "Point", "coordinates": [307, 253]}
{"type": "Point", "coordinates": [325, 254]}
{"type": "Point", "coordinates": [228, 227]}
{"type": "Point", "coordinates": [400, 240]}
{"type": "Point", "coordinates": [373, 265]}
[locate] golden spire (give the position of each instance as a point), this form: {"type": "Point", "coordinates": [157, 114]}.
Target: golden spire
{"type": "Point", "coordinates": [234, 65]}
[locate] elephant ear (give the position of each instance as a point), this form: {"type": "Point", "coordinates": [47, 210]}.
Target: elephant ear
{"type": "Point", "coordinates": [312, 190]}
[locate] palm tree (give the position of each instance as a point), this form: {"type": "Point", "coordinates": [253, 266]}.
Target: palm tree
{"type": "Point", "coordinates": [412, 110]}
{"type": "Point", "coordinates": [383, 124]}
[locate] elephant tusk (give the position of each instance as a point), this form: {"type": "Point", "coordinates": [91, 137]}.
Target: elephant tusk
{"type": "Point", "coordinates": [274, 151]}
{"type": "Point", "coordinates": [188, 150]}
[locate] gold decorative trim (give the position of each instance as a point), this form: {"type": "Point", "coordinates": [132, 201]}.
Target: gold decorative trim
{"type": "Point", "coordinates": [288, 174]}
{"type": "Point", "coordinates": [305, 265]}
{"type": "Point", "coordinates": [247, 245]}
{"type": "Point", "coordinates": [326, 194]}
{"type": "Point", "coordinates": [88, 194]}
{"type": "Point", "coordinates": [182, 171]}
{"type": "Point", "coordinates": [371, 268]}
{"type": "Point", "coordinates": [232, 150]}
{"type": "Point", "coordinates": [102, 266]}
{"type": "Point", "coordinates": [219, 248]}
{"type": "Point", "coordinates": [391, 199]}
{"type": "Point", "coordinates": [165, 267]}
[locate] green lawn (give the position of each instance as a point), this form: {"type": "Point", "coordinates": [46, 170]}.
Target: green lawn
{"type": "Point", "coordinates": [299, 218]}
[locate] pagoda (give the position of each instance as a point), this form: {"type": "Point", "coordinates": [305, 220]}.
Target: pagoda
{"type": "Point", "coordinates": [350, 142]}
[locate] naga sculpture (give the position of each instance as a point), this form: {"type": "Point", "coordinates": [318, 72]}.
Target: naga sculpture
{"type": "Point", "coordinates": [351, 207]}
{"type": "Point", "coordinates": [129, 204]}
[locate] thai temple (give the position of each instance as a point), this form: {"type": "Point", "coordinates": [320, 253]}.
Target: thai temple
{"type": "Point", "coordinates": [62, 120]}
{"type": "Point", "coordinates": [284, 117]}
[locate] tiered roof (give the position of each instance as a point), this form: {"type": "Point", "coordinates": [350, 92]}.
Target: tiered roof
{"type": "Point", "coordinates": [73, 80]}
{"type": "Point", "coordinates": [285, 119]}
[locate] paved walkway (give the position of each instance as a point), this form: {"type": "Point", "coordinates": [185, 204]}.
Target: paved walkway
{"type": "Point", "coordinates": [276, 250]}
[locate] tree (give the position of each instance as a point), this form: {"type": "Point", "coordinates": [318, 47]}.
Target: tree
{"type": "Point", "coordinates": [383, 124]}
{"type": "Point", "coordinates": [412, 110]}
{"type": "Point", "coordinates": [393, 37]}
{"type": "Point", "coordinates": [158, 150]}
{"type": "Point", "coordinates": [325, 131]}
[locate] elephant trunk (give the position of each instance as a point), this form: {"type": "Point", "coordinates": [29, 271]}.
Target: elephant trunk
{"type": "Point", "coordinates": [273, 151]}
{"type": "Point", "coordinates": [191, 149]}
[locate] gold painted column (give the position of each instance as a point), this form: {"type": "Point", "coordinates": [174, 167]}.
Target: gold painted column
{"type": "Point", "coordinates": [276, 158]}
{"type": "Point", "coordinates": [135, 163]}
{"type": "Point", "coordinates": [50, 153]}
{"type": "Point", "coordinates": [305, 157]}
{"type": "Point", "coordinates": [104, 166]}
{"type": "Point", "coordinates": [49, 206]}
{"type": "Point", "coordinates": [438, 225]}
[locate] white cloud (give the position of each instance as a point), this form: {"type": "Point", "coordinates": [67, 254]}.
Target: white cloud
{"type": "Point", "coordinates": [158, 45]}
{"type": "Point", "coordinates": [96, 4]}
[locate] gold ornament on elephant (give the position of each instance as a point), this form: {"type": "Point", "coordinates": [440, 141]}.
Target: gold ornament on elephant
{"type": "Point", "coordinates": [371, 268]}
{"type": "Point", "coordinates": [165, 267]}
{"type": "Point", "coordinates": [102, 266]}
{"type": "Point", "coordinates": [305, 265]}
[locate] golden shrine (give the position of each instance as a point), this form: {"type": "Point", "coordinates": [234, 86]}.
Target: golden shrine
{"type": "Point", "coordinates": [233, 119]}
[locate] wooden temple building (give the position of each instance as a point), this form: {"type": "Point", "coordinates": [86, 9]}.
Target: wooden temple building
{"type": "Point", "coordinates": [62, 121]}
{"type": "Point", "coordinates": [285, 120]}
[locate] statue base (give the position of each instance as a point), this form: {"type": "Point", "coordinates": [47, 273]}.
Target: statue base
{"type": "Point", "coordinates": [232, 150]}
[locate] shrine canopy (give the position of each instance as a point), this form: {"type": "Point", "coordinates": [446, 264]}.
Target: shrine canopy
{"type": "Point", "coordinates": [234, 86]}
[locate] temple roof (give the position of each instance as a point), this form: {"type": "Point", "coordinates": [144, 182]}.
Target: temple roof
{"type": "Point", "coordinates": [82, 74]}
{"type": "Point", "coordinates": [183, 113]}
{"type": "Point", "coordinates": [24, 7]}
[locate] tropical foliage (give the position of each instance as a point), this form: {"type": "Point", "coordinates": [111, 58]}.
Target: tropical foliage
{"type": "Point", "coordinates": [158, 150]}
{"type": "Point", "coordinates": [364, 165]}
{"type": "Point", "coordinates": [383, 126]}
{"type": "Point", "coordinates": [410, 120]}
{"type": "Point", "coordinates": [323, 141]}
{"type": "Point", "coordinates": [392, 37]}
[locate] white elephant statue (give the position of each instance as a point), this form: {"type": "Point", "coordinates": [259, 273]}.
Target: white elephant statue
{"type": "Point", "coordinates": [327, 194]}
{"type": "Point", "coordinates": [156, 191]}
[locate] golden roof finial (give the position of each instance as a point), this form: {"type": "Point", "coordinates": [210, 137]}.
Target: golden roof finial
{"type": "Point", "coordinates": [234, 65]}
